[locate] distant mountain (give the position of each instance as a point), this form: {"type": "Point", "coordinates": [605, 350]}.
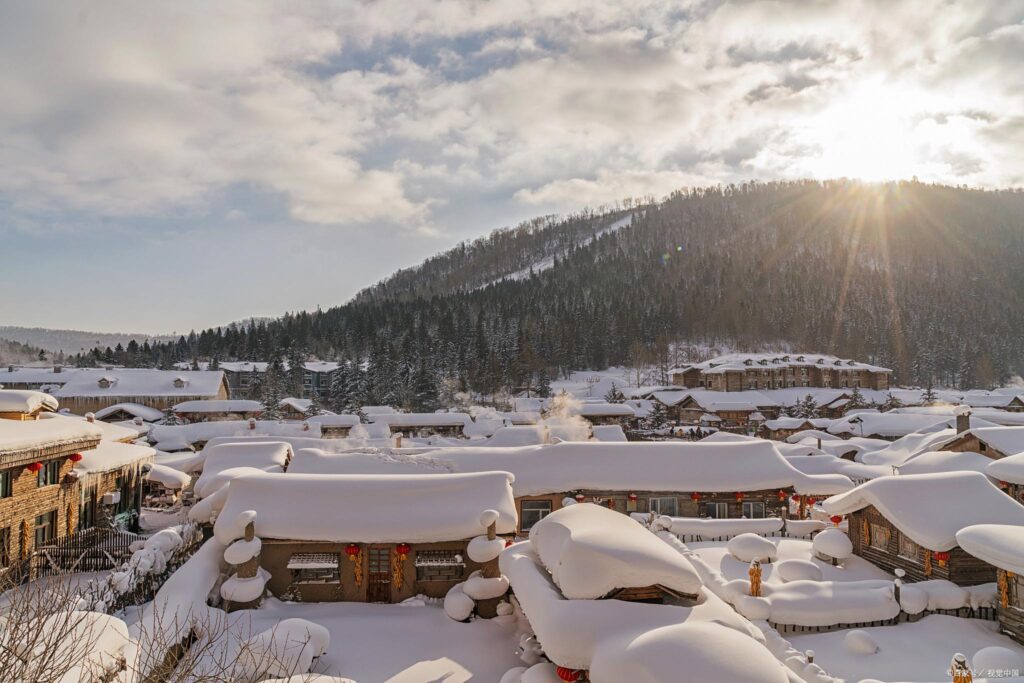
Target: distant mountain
{"type": "Point", "coordinates": [922, 278]}
{"type": "Point", "coordinates": [73, 341]}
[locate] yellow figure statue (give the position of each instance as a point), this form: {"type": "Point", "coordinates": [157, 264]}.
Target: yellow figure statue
{"type": "Point", "coordinates": [755, 577]}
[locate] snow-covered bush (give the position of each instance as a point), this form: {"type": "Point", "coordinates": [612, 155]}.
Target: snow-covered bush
{"type": "Point", "coordinates": [860, 642]}
{"type": "Point", "coordinates": [483, 584]}
{"type": "Point", "coordinates": [996, 658]}
{"type": "Point", "coordinates": [832, 544]}
{"type": "Point", "coordinates": [798, 570]}
{"type": "Point", "coordinates": [747, 547]}
{"type": "Point", "coordinates": [286, 649]}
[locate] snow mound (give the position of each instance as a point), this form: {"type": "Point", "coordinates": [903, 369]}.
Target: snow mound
{"type": "Point", "coordinates": [798, 570]}
{"type": "Point", "coordinates": [288, 647]}
{"type": "Point", "coordinates": [833, 542]}
{"type": "Point", "coordinates": [514, 675]}
{"type": "Point", "coordinates": [457, 604]}
{"type": "Point", "coordinates": [310, 678]}
{"type": "Point", "coordinates": [860, 642]}
{"type": "Point", "coordinates": [242, 551]}
{"type": "Point", "coordinates": [540, 673]}
{"type": "Point", "coordinates": [755, 609]}
{"type": "Point", "coordinates": [996, 658]}
{"type": "Point", "coordinates": [748, 547]}
{"type": "Point", "coordinates": [592, 551]}
{"type": "Point", "coordinates": [479, 587]}
{"type": "Point", "coordinates": [481, 550]}
{"type": "Point", "coordinates": [489, 517]}
{"type": "Point", "coordinates": [913, 600]}
{"type": "Point", "coordinates": [237, 589]}
{"type": "Point", "coordinates": [804, 527]}
{"type": "Point", "coordinates": [705, 651]}
{"type": "Point", "coordinates": [720, 528]}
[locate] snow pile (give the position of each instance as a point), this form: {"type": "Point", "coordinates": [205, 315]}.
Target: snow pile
{"type": "Point", "coordinates": [289, 647]}
{"type": "Point", "coordinates": [243, 590]}
{"type": "Point", "coordinates": [266, 456]}
{"type": "Point", "coordinates": [932, 508]}
{"type": "Point", "coordinates": [1010, 468]}
{"type": "Point", "coordinates": [168, 477]}
{"type": "Point", "coordinates": [519, 435]}
{"type": "Point", "coordinates": [832, 543]}
{"type": "Point", "coordinates": [592, 551]}
{"type": "Point", "coordinates": [457, 604]}
{"type": "Point", "coordinates": [1000, 545]}
{"type": "Point", "coordinates": [250, 580]}
{"type": "Point", "coordinates": [25, 401]}
{"type": "Point", "coordinates": [362, 509]}
{"type": "Point", "coordinates": [860, 642]}
{"type": "Point", "coordinates": [611, 433]}
{"type": "Point", "coordinates": [461, 599]}
{"type": "Point", "coordinates": [996, 658]}
{"type": "Point", "coordinates": [798, 570]}
{"type": "Point", "coordinates": [749, 547]}
{"type": "Point", "coordinates": [945, 461]}
{"type": "Point", "coordinates": [707, 529]}
{"type": "Point", "coordinates": [797, 528]}
{"type": "Point", "coordinates": [48, 431]}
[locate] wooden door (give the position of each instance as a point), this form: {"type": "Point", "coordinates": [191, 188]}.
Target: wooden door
{"type": "Point", "coordinates": [378, 587]}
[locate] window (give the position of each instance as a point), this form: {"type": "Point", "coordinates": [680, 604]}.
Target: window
{"type": "Point", "coordinates": [663, 506]}
{"type": "Point", "coordinates": [50, 474]}
{"type": "Point", "coordinates": [87, 508]}
{"type": "Point", "coordinates": [908, 548]}
{"type": "Point", "coordinates": [46, 528]}
{"type": "Point", "coordinates": [315, 567]}
{"type": "Point", "coordinates": [6, 481]}
{"type": "Point", "coordinates": [879, 537]}
{"type": "Point", "coordinates": [5, 547]}
{"type": "Point", "coordinates": [753, 510]}
{"type": "Point", "coordinates": [125, 488]}
{"type": "Point", "coordinates": [439, 565]}
{"type": "Point", "coordinates": [716, 510]}
{"type": "Point", "coordinates": [532, 512]}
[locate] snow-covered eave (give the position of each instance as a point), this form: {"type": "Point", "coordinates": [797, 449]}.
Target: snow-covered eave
{"type": "Point", "coordinates": [1000, 545]}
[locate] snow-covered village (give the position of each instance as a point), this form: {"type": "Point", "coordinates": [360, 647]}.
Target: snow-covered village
{"type": "Point", "coordinates": [495, 341]}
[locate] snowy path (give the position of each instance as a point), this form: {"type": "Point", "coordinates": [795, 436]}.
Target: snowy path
{"type": "Point", "coordinates": [398, 644]}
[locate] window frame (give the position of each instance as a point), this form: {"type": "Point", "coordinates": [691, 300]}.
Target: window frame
{"type": "Point", "coordinates": [753, 505]}
{"type": "Point", "coordinates": [657, 502]}
{"type": "Point", "coordinates": [882, 531]}
{"type": "Point", "coordinates": [717, 506]}
{"type": "Point", "coordinates": [48, 526]}
{"type": "Point", "coordinates": [901, 539]}
{"type": "Point", "coordinates": [6, 483]}
{"type": "Point", "coordinates": [523, 516]}
{"type": "Point", "coordinates": [320, 576]}
{"type": "Point", "coordinates": [50, 470]}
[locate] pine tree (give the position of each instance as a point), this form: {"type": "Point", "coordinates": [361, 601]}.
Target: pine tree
{"type": "Point", "coordinates": [856, 399]}
{"type": "Point", "coordinates": [613, 395]}
{"type": "Point", "coordinates": [543, 385]}
{"type": "Point", "coordinates": [425, 392]}
{"type": "Point", "coordinates": [929, 397]}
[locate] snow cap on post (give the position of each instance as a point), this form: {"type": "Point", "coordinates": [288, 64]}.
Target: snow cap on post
{"type": "Point", "coordinates": [489, 517]}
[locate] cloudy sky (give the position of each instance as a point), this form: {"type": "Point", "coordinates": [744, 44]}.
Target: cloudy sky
{"type": "Point", "coordinates": [165, 166]}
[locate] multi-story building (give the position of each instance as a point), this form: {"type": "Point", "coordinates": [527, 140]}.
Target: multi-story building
{"type": "Point", "coordinates": [755, 371]}
{"type": "Point", "coordinates": [242, 376]}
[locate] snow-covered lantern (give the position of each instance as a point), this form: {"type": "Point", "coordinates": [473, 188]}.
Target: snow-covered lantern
{"type": "Point", "coordinates": [942, 557]}
{"type": "Point", "coordinates": [34, 466]}
{"type": "Point", "coordinates": [564, 673]}
{"type": "Point", "coordinates": [580, 497]}
{"type": "Point", "coordinates": [75, 457]}
{"type": "Point", "coordinates": [695, 497]}
{"type": "Point", "coordinates": [835, 519]}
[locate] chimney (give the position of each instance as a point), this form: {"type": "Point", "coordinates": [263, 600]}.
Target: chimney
{"type": "Point", "coordinates": [963, 419]}
{"type": "Point", "coordinates": [57, 369]}
{"type": "Point", "coordinates": [398, 440]}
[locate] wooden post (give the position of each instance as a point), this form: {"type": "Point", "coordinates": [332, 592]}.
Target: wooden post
{"type": "Point", "coordinates": [249, 568]}
{"type": "Point", "coordinates": [491, 570]}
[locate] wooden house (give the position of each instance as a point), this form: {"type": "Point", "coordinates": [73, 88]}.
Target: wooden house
{"type": "Point", "coordinates": [45, 379]}
{"type": "Point", "coordinates": [217, 410]}
{"type": "Point", "coordinates": [111, 484]}
{"type": "Point", "coordinates": [94, 389]}
{"type": "Point", "coordinates": [992, 442]}
{"type": "Point", "coordinates": [128, 412]}
{"type": "Point", "coordinates": [758, 371]}
{"type": "Point", "coordinates": [783, 427]}
{"type": "Point", "coordinates": [1009, 472]}
{"type": "Point", "coordinates": [1001, 546]}
{"type": "Point", "coordinates": [910, 522]}
{"type": "Point", "coordinates": [335, 426]}
{"type": "Point", "coordinates": [423, 424]}
{"type": "Point", "coordinates": [38, 499]}
{"type": "Point", "coordinates": [365, 538]}
{"type": "Point", "coordinates": [604, 413]}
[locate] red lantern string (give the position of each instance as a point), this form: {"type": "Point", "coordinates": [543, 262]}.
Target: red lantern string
{"type": "Point", "coordinates": [75, 457]}
{"type": "Point", "coordinates": [694, 496]}
{"type": "Point", "coordinates": [351, 549]}
{"type": "Point", "coordinates": [34, 467]}
{"type": "Point", "coordinates": [564, 673]}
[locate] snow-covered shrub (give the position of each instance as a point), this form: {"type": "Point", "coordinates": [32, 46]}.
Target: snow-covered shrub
{"type": "Point", "coordinates": [996, 658]}
{"type": "Point", "coordinates": [540, 673]}
{"type": "Point", "coordinates": [747, 547]}
{"type": "Point", "coordinates": [832, 544]}
{"type": "Point", "coordinates": [798, 570]}
{"type": "Point", "coordinates": [860, 642]}
{"type": "Point", "coordinates": [286, 649]}
{"type": "Point", "coordinates": [457, 604]}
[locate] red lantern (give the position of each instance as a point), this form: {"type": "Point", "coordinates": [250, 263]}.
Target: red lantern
{"type": "Point", "coordinates": [403, 549]}
{"type": "Point", "coordinates": [351, 550]}
{"type": "Point", "coordinates": [836, 519]}
{"type": "Point", "coordinates": [564, 673]}
{"type": "Point", "coordinates": [739, 496]}
{"type": "Point", "coordinates": [34, 467]}
{"type": "Point", "coordinates": [812, 500]}
{"type": "Point", "coordinates": [695, 496]}
{"type": "Point", "coordinates": [580, 497]}
{"type": "Point", "coordinates": [782, 494]}
{"type": "Point", "coordinates": [75, 457]}
{"type": "Point", "coordinates": [795, 498]}
{"type": "Point", "coordinates": [943, 557]}
{"type": "Point", "coordinates": [1004, 485]}
{"type": "Point", "coordinates": [508, 542]}
{"type": "Point", "coordinates": [632, 497]}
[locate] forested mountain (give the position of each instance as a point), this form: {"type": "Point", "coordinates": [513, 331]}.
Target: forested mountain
{"type": "Point", "coordinates": [925, 279]}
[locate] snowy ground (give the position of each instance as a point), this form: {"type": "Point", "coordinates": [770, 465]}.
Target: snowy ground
{"type": "Point", "coordinates": [853, 569]}
{"type": "Point", "coordinates": [398, 644]}
{"type": "Point", "coordinates": [909, 652]}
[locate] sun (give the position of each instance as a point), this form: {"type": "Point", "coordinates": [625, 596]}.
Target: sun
{"type": "Point", "coordinates": [868, 134]}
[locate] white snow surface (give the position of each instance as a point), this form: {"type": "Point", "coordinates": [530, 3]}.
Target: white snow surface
{"type": "Point", "coordinates": [179, 437]}
{"type": "Point", "coordinates": [365, 509]}
{"type": "Point", "coordinates": [481, 550]}
{"type": "Point", "coordinates": [932, 508]}
{"type": "Point", "coordinates": [222, 405]}
{"type": "Point", "coordinates": [112, 455]}
{"type": "Point", "coordinates": [720, 528]}
{"type": "Point", "coordinates": [25, 401]}
{"type": "Point", "coordinates": [592, 551]}
{"type": "Point", "coordinates": [798, 570]}
{"type": "Point", "coordinates": [168, 477]}
{"type": "Point", "coordinates": [237, 589]}
{"type": "Point", "coordinates": [48, 430]}
{"type": "Point", "coordinates": [569, 466]}
{"type": "Point", "coordinates": [748, 547]}
{"type": "Point", "coordinates": [147, 413]}
{"type": "Point", "coordinates": [142, 382]}
{"type": "Point", "coordinates": [609, 433]}
{"type": "Point", "coordinates": [833, 542]}
{"type": "Point", "coordinates": [242, 551]}
{"type": "Point", "coordinates": [266, 456]}
{"type": "Point", "coordinates": [945, 461]}
{"type": "Point", "coordinates": [1010, 469]}
{"type": "Point", "coordinates": [1001, 545]}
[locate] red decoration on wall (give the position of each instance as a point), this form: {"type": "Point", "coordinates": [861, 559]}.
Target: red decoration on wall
{"type": "Point", "coordinates": [564, 673]}
{"type": "Point", "coordinates": [34, 467]}
{"type": "Point", "coordinates": [403, 548]}
{"type": "Point", "coordinates": [508, 542]}
{"type": "Point", "coordinates": [739, 495]}
{"type": "Point", "coordinates": [942, 556]}
{"type": "Point", "coordinates": [782, 494]}
{"type": "Point", "coordinates": [352, 549]}
{"type": "Point", "coordinates": [75, 457]}
{"type": "Point", "coordinates": [694, 496]}
{"type": "Point", "coordinates": [795, 498]}
{"type": "Point", "coordinates": [812, 500]}
{"type": "Point", "coordinates": [632, 497]}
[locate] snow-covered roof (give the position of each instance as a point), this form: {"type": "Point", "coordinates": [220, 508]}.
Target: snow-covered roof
{"type": "Point", "coordinates": [609, 433]}
{"type": "Point", "coordinates": [592, 551]}
{"type": "Point", "coordinates": [945, 461]}
{"type": "Point", "coordinates": [176, 437]}
{"type": "Point", "coordinates": [713, 401]}
{"type": "Point", "coordinates": [25, 401]}
{"type": "Point", "coordinates": [932, 508]}
{"type": "Point", "coordinates": [884, 424]}
{"type": "Point", "coordinates": [1001, 545]}
{"type": "Point", "coordinates": [111, 431]}
{"type": "Point", "coordinates": [992, 401]}
{"type": "Point", "coordinates": [299, 404]}
{"type": "Point", "coordinates": [787, 449]}
{"type": "Point", "coordinates": [267, 456]}
{"type": "Point", "coordinates": [592, 465]}
{"type": "Point", "coordinates": [112, 455]}
{"type": "Point", "coordinates": [142, 382]}
{"type": "Point", "coordinates": [368, 509]}
{"type": "Point", "coordinates": [334, 420]}
{"type": "Point", "coordinates": [830, 464]}
{"type": "Point", "coordinates": [377, 410]}
{"type": "Point", "coordinates": [1006, 440]}
{"type": "Point", "coordinates": [402, 420]}
{"type": "Point", "coordinates": [518, 435]}
{"type": "Point", "coordinates": [147, 413]}
{"type": "Point", "coordinates": [168, 477]}
{"type": "Point", "coordinates": [747, 361]}
{"type": "Point", "coordinates": [25, 375]}
{"type": "Point", "coordinates": [48, 431]}
{"type": "Point", "coordinates": [604, 409]}
{"type": "Point", "coordinates": [219, 406]}
{"type": "Point", "coordinates": [788, 423]}
{"type": "Point", "coordinates": [1010, 468]}
{"type": "Point", "coordinates": [244, 366]}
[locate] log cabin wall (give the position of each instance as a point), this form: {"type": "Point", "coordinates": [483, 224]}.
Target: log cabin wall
{"type": "Point", "coordinates": [1011, 617]}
